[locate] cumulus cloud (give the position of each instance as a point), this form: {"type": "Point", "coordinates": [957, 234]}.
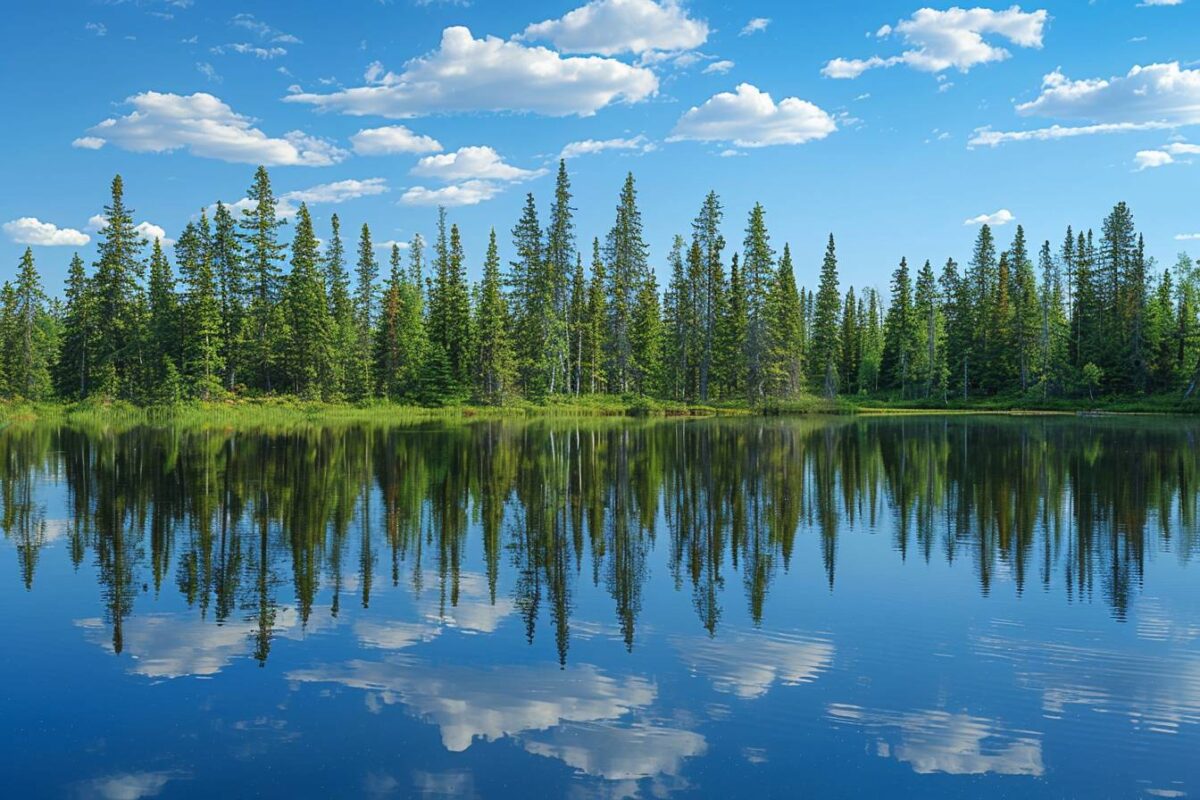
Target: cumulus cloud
{"type": "Point", "coordinates": [490, 74]}
{"type": "Point", "coordinates": [756, 25]}
{"type": "Point", "coordinates": [1150, 97]}
{"type": "Point", "coordinates": [1149, 159]}
{"type": "Point", "coordinates": [937, 741]}
{"type": "Point", "coordinates": [749, 117]}
{"type": "Point", "coordinates": [1163, 93]}
{"type": "Point", "coordinates": [88, 142]}
{"type": "Point", "coordinates": [619, 753]}
{"type": "Point", "coordinates": [127, 785]}
{"type": "Point", "coordinates": [207, 127]}
{"type": "Point", "coordinates": [1001, 217]}
{"type": "Point", "coordinates": [471, 163]}
{"type": "Point", "coordinates": [609, 27]}
{"type": "Point", "coordinates": [469, 703]}
{"type": "Point", "coordinates": [31, 230]}
{"type": "Point", "coordinates": [954, 38]}
{"type": "Point", "coordinates": [585, 147]}
{"type": "Point", "coordinates": [469, 193]}
{"type": "Point", "coordinates": [1187, 237]}
{"type": "Point", "coordinates": [392, 139]}
{"type": "Point", "coordinates": [147, 230]}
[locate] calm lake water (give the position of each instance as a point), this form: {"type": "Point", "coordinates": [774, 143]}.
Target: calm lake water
{"type": "Point", "coordinates": [904, 607]}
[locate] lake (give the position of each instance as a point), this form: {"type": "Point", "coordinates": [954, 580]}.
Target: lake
{"type": "Point", "coordinates": [924, 606]}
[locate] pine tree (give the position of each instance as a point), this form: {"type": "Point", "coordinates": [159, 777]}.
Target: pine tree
{"type": "Point", "coordinates": [646, 338]}
{"type": "Point", "coordinates": [532, 303]}
{"type": "Point", "coordinates": [1026, 313]}
{"type": "Point", "coordinates": [494, 358]}
{"type": "Point", "coordinates": [120, 302]}
{"type": "Point", "coordinates": [360, 380]}
{"type": "Point", "coordinates": [346, 374]}
{"type": "Point", "coordinates": [306, 356]}
{"type": "Point", "coordinates": [560, 253]}
{"type": "Point", "coordinates": [979, 284]}
{"type": "Point", "coordinates": [732, 341]}
{"type": "Point", "coordinates": [785, 330]}
{"type": "Point", "coordinates": [711, 289]}
{"type": "Point", "coordinates": [900, 342]}
{"type": "Point", "coordinates": [930, 356]}
{"type": "Point", "coordinates": [200, 365]}
{"type": "Point", "coordinates": [626, 270]}
{"type": "Point", "coordinates": [677, 322]}
{"type": "Point", "coordinates": [260, 234]}
{"type": "Point", "coordinates": [73, 369]}
{"type": "Point", "coordinates": [1055, 330]}
{"type": "Point", "coordinates": [822, 366]}
{"type": "Point", "coordinates": [577, 328]}
{"type": "Point", "coordinates": [450, 315]}
{"type": "Point", "coordinates": [31, 348]}
{"type": "Point", "coordinates": [595, 345]}
{"type": "Point", "coordinates": [229, 266]}
{"type": "Point", "coordinates": [401, 342]}
{"type": "Point", "coordinates": [165, 325]}
{"type": "Point", "coordinates": [850, 344]}
{"type": "Point", "coordinates": [758, 273]}
{"type": "Point", "coordinates": [872, 339]}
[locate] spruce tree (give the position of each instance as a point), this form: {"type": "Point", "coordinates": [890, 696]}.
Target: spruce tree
{"type": "Point", "coordinates": [822, 365]}
{"type": "Point", "coordinates": [306, 354]}
{"type": "Point", "coordinates": [493, 351]}
{"type": "Point", "coordinates": [360, 381]}
{"type": "Point", "coordinates": [532, 303]}
{"type": "Point", "coordinates": [31, 349]}
{"type": "Point", "coordinates": [758, 273]}
{"type": "Point", "coordinates": [165, 325]}
{"type": "Point", "coordinates": [850, 342]}
{"type": "Point", "coordinates": [346, 374]}
{"type": "Point", "coordinates": [785, 328]}
{"type": "Point", "coordinates": [594, 345]}
{"type": "Point", "coordinates": [626, 270]}
{"type": "Point", "coordinates": [120, 302]}
{"type": "Point", "coordinates": [201, 368]}
{"type": "Point", "coordinates": [711, 291]}
{"type": "Point", "coordinates": [900, 342]}
{"type": "Point", "coordinates": [264, 252]}
{"type": "Point", "coordinates": [229, 266]}
{"type": "Point", "coordinates": [560, 254]}
{"type": "Point", "coordinates": [73, 368]}
{"type": "Point", "coordinates": [930, 355]}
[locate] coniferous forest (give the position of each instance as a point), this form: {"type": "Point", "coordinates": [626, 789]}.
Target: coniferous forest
{"type": "Point", "coordinates": [249, 304]}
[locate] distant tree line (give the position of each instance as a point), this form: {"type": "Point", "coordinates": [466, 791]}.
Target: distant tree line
{"type": "Point", "coordinates": [242, 313]}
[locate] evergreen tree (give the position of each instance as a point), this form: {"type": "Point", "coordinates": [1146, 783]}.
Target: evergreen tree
{"type": "Point", "coordinates": [560, 253]}
{"type": "Point", "coordinates": [646, 338]}
{"type": "Point", "coordinates": [532, 300]}
{"type": "Point", "coordinates": [201, 370]}
{"type": "Point", "coordinates": [401, 342]}
{"type": "Point", "coordinates": [306, 355]}
{"type": "Point", "coordinates": [346, 373]}
{"type": "Point", "coordinates": [450, 315]}
{"type": "Point", "coordinates": [931, 370]}
{"type": "Point", "coordinates": [758, 273]}
{"type": "Point", "coordinates": [822, 366]}
{"type": "Point", "coordinates": [677, 326]}
{"type": "Point", "coordinates": [1055, 331]}
{"type": "Point", "coordinates": [710, 289]}
{"type": "Point", "coordinates": [164, 327]}
{"type": "Point", "coordinates": [785, 330]}
{"type": "Point", "coordinates": [627, 271]}
{"type": "Point", "coordinates": [229, 266]}
{"type": "Point", "coordinates": [978, 288]}
{"type": "Point", "coordinates": [260, 234]}
{"type": "Point", "coordinates": [594, 345]}
{"type": "Point", "coordinates": [1026, 314]}
{"type": "Point", "coordinates": [732, 341]}
{"type": "Point", "coordinates": [120, 302]}
{"type": "Point", "coordinates": [577, 328]}
{"type": "Point", "coordinates": [360, 381]}
{"type": "Point", "coordinates": [850, 344]}
{"type": "Point", "coordinates": [494, 358]}
{"type": "Point", "coordinates": [73, 370]}
{"type": "Point", "coordinates": [31, 348]}
{"type": "Point", "coordinates": [900, 342]}
{"type": "Point", "coordinates": [872, 343]}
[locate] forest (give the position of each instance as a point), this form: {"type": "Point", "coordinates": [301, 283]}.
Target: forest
{"type": "Point", "coordinates": [238, 312]}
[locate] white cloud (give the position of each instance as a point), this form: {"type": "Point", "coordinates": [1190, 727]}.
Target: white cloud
{"type": "Point", "coordinates": [590, 146]}
{"type": "Point", "coordinates": [127, 785]}
{"type": "Point", "coordinates": [98, 28]}
{"type": "Point", "coordinates": [1149, 159]}
{"type": "Point", "coordinates": [609, 27]}
{"type": "Point", "coordinates": [718, 67]}
{"type": "Point", "coordinates": [1160, 93]}
{"type": "Point", "coordinates": [1150, 97]}
{"type": "Point", "coordinates": [469, 193]}
{"type": "Point", "coordinates": [251, 23]}
{"type": "Point", "coordinates": [147, 230]}
{"type": "Point", "coordinates": [471, 163]}
{"type": "Point", "coordinates": [467, 703]}
{"type": "Point", "coordinates": [756, 25]}
{"type": "Point", "coordinates": [747, 665]}
{"type": "Point", "coordinates": [338, 191]}
{"type": "Point", "coordinates": [1001, 217]}
{"type": "Point", "coordinates": [208, 71]}
{"type": "Point", "coordinates": [392, 139]}
{"type": "Point", "coordinates": [88, 142]}
{"type": "Point", "coordinates": [31, 230]}
{"type": "Point", "coordinates": [937, 741]}
{"type": "Point", "coordinates": [1187, 237]}
{"type": "Point", "coordinates": [264, 53]}
{"type": "Point", "coordinates": [490, 74]}
{"type": "Point", "coordinates": [1147, 3]}
{"type": "Point", "coordinates": [388, 244]}
{"type": "Point", "coordinates": [986, 137]}
{"type": "Point", "coordinates": [749, 117]}
{"type": "Point", "coordinates": [954, 38]}
{"type": "Point", "coordinates": [205, 126]}
{"type": "Point", "coordinates": [616, 752]}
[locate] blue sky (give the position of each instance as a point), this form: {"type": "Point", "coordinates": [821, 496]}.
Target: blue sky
{"type": "Point", "coordinates": [882, 122]}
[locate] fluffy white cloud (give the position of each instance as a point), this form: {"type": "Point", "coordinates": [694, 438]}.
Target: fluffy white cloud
{"type": "Point", "coordinates": [955, 744]}
{"type": "Point", "coordinates": [609, 27]}
{"type": "Point", "coordinates": [490, 74]}
{"type": "Point", "coordinates": [1150, 97]}
{"type": "Point", "coordinates": [619, 753]}
{"type": "Point", "coordinates": [147, 230]}
{"type": "Point", "coordinates": [338, 191]}
{"type": "Point", "coordinates": [590, 146]}
{"type": "Point", "coordinates": [88, 142]}
{"type": "Point", "coordinates": [954, 38]}
{"type": "Point", "coordinates": [31, 230]}
{"type": "Point", "coordinates": [756, 25]}
{"type": "Point", "coordinates": [205, 126]}
{"type": "Point", "coordinates": [471, 163]}
{"type": "Point", "coordinates": [127, 785]}
{"type": "Point", "coordinates": [718, 67]}
{"type": "Point", "coordinates": [391, 139]}
{"type": "Point", "coordinates": [1001, 217]}
{"type": "Point", "coordinates": [1162, 93]}
{"type": "Point", "coordinates": [1187, 237]}
{"type": "Point", "coordinates": [469, 193]}
{"type": "Point", "coordinates": [749, 117]}
{"type": "Point", "coordinates": [1149, 159]}
{"type": "Point", "coordinates": [467, 703]}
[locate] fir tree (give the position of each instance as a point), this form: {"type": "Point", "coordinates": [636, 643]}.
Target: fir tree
{"type": "Point", "coordinates": [165, 326]}
{"type": "Point", "coordinates": [306, 356]}
{"type": "Point", "coordinates": [346, 373]}
{"type": "Point", "coordinates": [758, 272]}
{"type": "Point", "coordinates": [260, 234]}
{"type": "Point", "coordinates": [120, 302]}
{"type": "Point", "coordinates": [822, 365]}
{"type": "Point", "coordinates": [626, 270]}
{"type": "Point", "coordinates": [202, 370]}
{"type": "Point", "coordinates": [31, 347]}
{"type": "Point", "coordinates": [366, 275]}
{"type": "Point", "coordinates": [229, 266]}
{"type": "Point", "coordinates": [900, 342]}
{"type": "Point", "coordinates": [493, 359]}
{"type": "Point", "coordinates": [785, 329]}
{"type": "Point", "coordinates": [73, 370]}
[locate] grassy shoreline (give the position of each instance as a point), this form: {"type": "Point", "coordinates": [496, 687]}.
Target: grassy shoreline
{"type": "Point", "coordinates": [276, 410]}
